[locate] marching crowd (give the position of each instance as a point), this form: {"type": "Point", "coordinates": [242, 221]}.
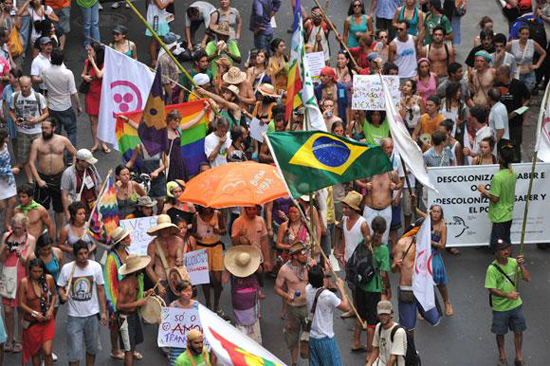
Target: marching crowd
{"type": "Point", "coordinates": [459, 114]}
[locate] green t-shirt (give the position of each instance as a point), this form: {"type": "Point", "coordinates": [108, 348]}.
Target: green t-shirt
{"type": "Point", "coordinates": [184, 360]}
{"type": "Point", "coordinates": [431, 21]}
{"type": "Point", "coordinates": [503, 186]}
{"type": "Point", "coordinates": [86, 3]}
{"type": "Point", "coordinates": [381, 263]}
{"type": "Point", "coordinates": [232, 50]}
{"type": "Point", "coordinates": [374, 134]}
{"type": "Point", "coordinates": [495, 279]}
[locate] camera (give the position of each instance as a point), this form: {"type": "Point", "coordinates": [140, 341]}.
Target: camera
{"type": "Point", "coordinates": [12, 247]}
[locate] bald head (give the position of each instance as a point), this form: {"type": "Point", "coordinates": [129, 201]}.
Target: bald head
{"type": "Point", "coordinates": [25, 84]}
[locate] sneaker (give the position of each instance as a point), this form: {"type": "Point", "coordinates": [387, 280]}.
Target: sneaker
{"type": "Point", "coordinates": [349, 314]}
{"type": "Point", "coordinates": [100, 7]}
{"type": "Point", "coordinates": [54, 357]}
{"type": "Point", "coordinates": [115, 5]}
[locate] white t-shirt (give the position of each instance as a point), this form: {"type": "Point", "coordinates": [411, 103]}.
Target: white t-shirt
{"type": "Point", "coordinates": [498, 120]}
{"type": "Point", "coordinates": [210, 143]}
{"type": "Point", "coordinates": [322, 319]}
{"type": "Point", "coordinates": [31, 106]}
{"type": "Point", "coordinates": [83, 300]}
{"type": "Point", "coordinates": [387, 348]}
{"type": "Point", "coordinates": [483, 132]}
{"type": "Point", "coordinates": [205, 9]}
{"type": "Point", "coordinates": [61, 85]}
{"type": "Point", "coordinates": [35, 17]}
{"type": "Point", "coordinates": [39, 64]}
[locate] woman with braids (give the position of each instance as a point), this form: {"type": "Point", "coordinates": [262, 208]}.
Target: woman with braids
{"type": "Point", "coordinates": [37, 300]}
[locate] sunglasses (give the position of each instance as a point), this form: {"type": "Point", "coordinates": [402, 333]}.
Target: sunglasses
{"type": "Point", "coordinates": [400, 29]}
{"type": "Point", "coordinates": [357, 5]}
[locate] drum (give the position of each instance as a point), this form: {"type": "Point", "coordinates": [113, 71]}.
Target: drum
{"type": "Point", "coordinates": [152, 310]}
{"type": "Point", "coordinates": [175, 276]}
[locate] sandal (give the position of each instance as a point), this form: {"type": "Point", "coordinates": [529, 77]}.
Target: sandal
{"type": "Point", "coordinates": [106, 150]}
{"type": "Point", "coordinates": [138, 356]}
{"type": "Point", "coordinates": [117, 356]}
{"type": "Point", "coordinates": [17, 347]}
{"type": "Point", "coordinates": [8, 347]}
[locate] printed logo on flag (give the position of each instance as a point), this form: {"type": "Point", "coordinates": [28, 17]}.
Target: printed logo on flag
{"type": "Point", "coordinates": [327, 152]}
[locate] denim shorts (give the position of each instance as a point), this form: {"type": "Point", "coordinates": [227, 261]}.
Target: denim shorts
{"type": "Point", "coordinates": [511, 319]}
{"type": "Point", "coordinates": [407, 313]}
{"type": "Point", "coordinates": [85, 329]}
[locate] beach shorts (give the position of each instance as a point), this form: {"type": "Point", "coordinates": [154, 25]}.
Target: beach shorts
{"type": "Point", "coordinates": [130, 331]}
{"type": "Point", "coordinates": [50, 193]}
{"type": "Point", "coordinates": [511, 319]}
{"type": "Point", "coordinates": [407, 311]}
{"type": "Point", "coordinates": [396, 216]}
{"type": "Point", "coordinates": [215, 256]}
{"type": "Point", "coordinates": [366, 303]}
{"type": "Point", "coordinates": [24, 141]}
{"type": "Point", "coordinates": [295, 322]}
{"type": "Point", "coordinates": [84, 336]}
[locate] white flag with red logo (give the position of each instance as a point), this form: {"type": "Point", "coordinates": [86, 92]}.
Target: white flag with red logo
{"type": "Point", "coordinates": [423, 283]}
{"type": "Point", "coordinates": [543, 128]}
{"type": "Point", "coordinates": [125, 88]}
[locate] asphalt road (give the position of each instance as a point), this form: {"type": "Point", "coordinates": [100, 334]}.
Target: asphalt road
{"type": "Point", "coordinates": [461, 340]}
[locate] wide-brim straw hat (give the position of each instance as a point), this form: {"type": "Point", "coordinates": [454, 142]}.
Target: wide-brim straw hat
{"type": "Point", "coordinates": [221, 28]}
{"type": "Point", "coordinates": [119, 234]}
{"type": "Point", "coordinates": [268, 90]}
{"type": "Point", "coordinates": [163, 222]}
{"type": "Point", "coordinates": [134, 263]}
{"type": "Point", "coordinates": [242, 260]}
{"type": "Point", "coordinates": [353, 199]}
{"type": "Point", "coordinates": [296, 247]}
{"type": "Point", "coordinates": [234, 76]}
{"type": "Point", "coordinates": [233, 89]}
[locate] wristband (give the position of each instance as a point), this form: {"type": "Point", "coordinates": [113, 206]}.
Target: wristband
{"type": "Point", "coordinates": [34, 314]}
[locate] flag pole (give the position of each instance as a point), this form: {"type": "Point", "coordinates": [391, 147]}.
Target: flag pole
{"type": "Point", "coordinates": [308, 226]}
{"type": "Point", "coordinates": [542, 115]}
{"type": "Point", "coordinates": [161, 43]}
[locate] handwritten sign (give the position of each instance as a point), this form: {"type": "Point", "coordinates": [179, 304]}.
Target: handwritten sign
{"type": "Point", "coordinates": [315, 62]}
{"type": "Point", "coordinates": [196, 263]}
{"type": "Point", "coordinates": [368, 93]}
{"type": "Point", "coordinates": [175, 324]}
{"type": "Point", "coordinates": [138, 232]}
{"type": "Point", "coordinates": [257, 128]}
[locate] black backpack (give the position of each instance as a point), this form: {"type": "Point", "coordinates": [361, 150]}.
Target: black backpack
{"type": "Point", "coordinates": [359, 267]}
{"type": "Point", "coordinates": [411, 356]}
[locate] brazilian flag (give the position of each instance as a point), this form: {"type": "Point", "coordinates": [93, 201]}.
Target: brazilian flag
{"type": "Point", "coordinates": [311, 160]}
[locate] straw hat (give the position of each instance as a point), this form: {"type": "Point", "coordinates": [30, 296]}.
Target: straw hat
{"type": "Point", "coordinates": [242, 260]}
{"type": "Point", "coordinates": [353, 199]}
{"type": "Point", "coordinates": [233, 89]}
{"type": "Point", "coordinates": [268, 90]}
{"type": "Point", "coordinates": [221, 28]}
{"type": "Point", "coordinates": [234, 76]}
{"type": "Point", "coordinates": [296, 247]}
{"type": "Point", "coordinates": [119, 234]}
{"type": "Point", "coordinates": [163, 222]}
{"type": "Point", "coordinates": [134, 263]}
{"type": "Point", "coordinates": [224, 61]}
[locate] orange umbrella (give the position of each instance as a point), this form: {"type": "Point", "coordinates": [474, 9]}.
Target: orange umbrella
{"type": "Point", "coordinates": [235, 184]}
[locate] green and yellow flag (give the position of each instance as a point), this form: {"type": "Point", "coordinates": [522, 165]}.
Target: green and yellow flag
{"type": "Point", "coordinates": [311, 160]}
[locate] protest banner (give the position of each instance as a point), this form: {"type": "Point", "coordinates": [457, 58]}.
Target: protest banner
{"type": "Point", "coordinates": [138, 231]}
{"type": "Point", "coordinates": [174, 325]}
{"type": "Point", "coordinates": [368, 93]}
{"type": "Point", "coordinates": [315, 62]}
{"type": "Point", "coordinates": [466, 211]}
{"type": "Point", "coordinates": [196, 263]}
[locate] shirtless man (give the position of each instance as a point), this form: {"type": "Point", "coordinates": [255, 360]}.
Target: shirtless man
{"type": "Point", "coordinates": [481, 78]}
{"type": "Point", "coordinates": [128, 303]}
{"type": "Point", "coordinates": [403, 263]}
{"type": "Point", "coordinates": [166, 244]}
{"type": "Point", "coordinates": [38, 216]}
{"type": "Point", "coordinates": [439, 53]}
{"type": "Point", "coordinates": [293, 277]}
{"type": "Point", "coordinates": [49, 150]}
{"type": "Point", "coordinates": [379, 197]}
{"type": "Point", "coordinates": [237, 77]}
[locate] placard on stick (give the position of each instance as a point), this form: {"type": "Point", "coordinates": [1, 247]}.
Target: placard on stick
{"type": "Point", "coordinates": [368, 93]}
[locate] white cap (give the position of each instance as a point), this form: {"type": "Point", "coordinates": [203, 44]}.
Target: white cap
{"type": "Point", "coordinates": [86, 155]}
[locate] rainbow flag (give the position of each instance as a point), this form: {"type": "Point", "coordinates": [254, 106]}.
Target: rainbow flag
{"type": "Point", "coordinates": [105, 213]}
{"type": "Point", "coordinates": [297, 51]}
{"type": "Point", "coordinates": [126, 134]}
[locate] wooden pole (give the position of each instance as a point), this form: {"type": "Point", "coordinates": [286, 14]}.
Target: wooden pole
{"type": "Point", "coordinates": [331, 25]}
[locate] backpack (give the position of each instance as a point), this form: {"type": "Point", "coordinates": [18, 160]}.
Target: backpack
{"type": "Point", "coordinates": [411, 356]}
{"type": "Point", "coordinates": [359, 267]}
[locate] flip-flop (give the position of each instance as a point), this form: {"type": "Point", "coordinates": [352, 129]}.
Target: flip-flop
{"type": "Point", "coordinates": [106, 150]}
{"type": "Point", "coordinates": [17, 347]}
{"type": "Point", "coordinates": [8, 347]}
{"type": "Point", "coordinates": [138, 356]}
{"type": "Point", "coordinates": [118, 356]}
{"type": "Point", "coordinates": [361, 349]}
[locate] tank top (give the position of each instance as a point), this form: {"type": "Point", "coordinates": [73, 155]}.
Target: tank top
{"type": "Point", "coordinates": [352, 237]}
{"type": "Point", "coordinates": [33, 300]}
{"type": "Point", "coordinates": [72, 238]}
{"type": "Point", "coordinates": [427, 90]}
{"type": "Point", "coordinates": [413, 22]}
{"type": "Point", "coordinates": [524, 58]}
{"type": "Point", "coordinates": [52, 267]}
{"type": "Point", "coordinates": [204, 230]}
{"type": "Point", "coordinates": [352, 41]}
{"type": "Point", "coordinates": [412, 116]}
{"type": "Point", "coordinates": [405, 57]}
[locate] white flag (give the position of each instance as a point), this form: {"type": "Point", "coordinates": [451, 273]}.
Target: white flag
{"type": "Point", "coordinates": [543, 128]}
{"type": "Point", "coordinates": [230, 345]}
{"type": "Point", "coordinates": [423, 283]}
{"type": "Point", "coordinates": [407, 147]}
{"type": "Point", "coordinates": [125, 88]}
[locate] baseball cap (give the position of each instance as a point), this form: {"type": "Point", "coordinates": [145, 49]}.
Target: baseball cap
{"type": "Point", "coordinates": [384, 307]}
{"type": "Point", "coordinates": [501, 244]}
{"type": "Point", "coordinates": [44, 40]}
{"type": "Point", "coordinates": [86, 155]}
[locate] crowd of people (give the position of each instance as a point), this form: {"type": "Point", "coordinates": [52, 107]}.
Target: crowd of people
{"type": "Point", "coordinates": [459, 114]}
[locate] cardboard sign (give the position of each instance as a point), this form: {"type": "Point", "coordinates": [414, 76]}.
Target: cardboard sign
{"type": "Point", "coordinates": [368, 93]}
{"type": "Point", "coordinates": [175, 324]}
{"type": "Point", "coordinates": [138, 232]}
{"type": "Point", "coordinates": [196, 263]}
